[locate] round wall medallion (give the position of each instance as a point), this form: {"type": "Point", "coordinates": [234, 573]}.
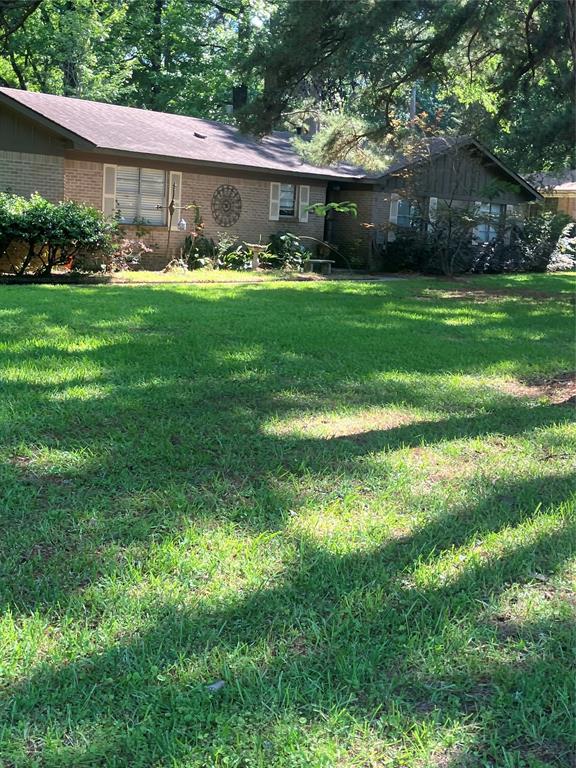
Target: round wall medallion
{"type": "Point", "coordinates": [226, 205]}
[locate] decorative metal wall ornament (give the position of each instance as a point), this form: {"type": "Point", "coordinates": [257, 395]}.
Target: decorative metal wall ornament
{"type": "Point", "coordinates": [226, 205]}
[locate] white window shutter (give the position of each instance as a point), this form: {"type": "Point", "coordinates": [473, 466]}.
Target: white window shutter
{"type": "Point", "coordinates": [303, 203]}
{"type": "Point", "coordinates": [175, 182]}
{"type": "Point", "coordinates": [432, 211]}
{"type": "Point", "coordinates": [393, 216]}
{"type": "Point", "coordinates": [109, 190]}
{"type": "Point", "coordinates": [274, 214]}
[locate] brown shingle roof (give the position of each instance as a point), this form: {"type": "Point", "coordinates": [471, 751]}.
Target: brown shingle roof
{"type": "Point", "coordinates": [113, 129]}
{"type": "Point", "coordinates": [144, 132]}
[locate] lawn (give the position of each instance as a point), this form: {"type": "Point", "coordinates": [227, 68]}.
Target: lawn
{"type": "Point", "coordinates": [291, 524]}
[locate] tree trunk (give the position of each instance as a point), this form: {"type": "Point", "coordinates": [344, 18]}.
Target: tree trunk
{"type": "Point", "coordinates": [70, 72]}
{"type": "Point", "coordinates": [156, 55]}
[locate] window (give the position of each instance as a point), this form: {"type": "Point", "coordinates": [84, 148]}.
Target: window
{"type": "Point", "coordinates": [287, 200]}
{"type": "Point", "coordinates": [141, 195]}
{"type": "Point", "coordinates": [408, 213]}
{"type": "Point", "coordinates": [492, 214]}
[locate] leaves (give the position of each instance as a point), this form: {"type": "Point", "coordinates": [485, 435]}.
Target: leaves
{"type": "Point", "coordinates": [54, 234]}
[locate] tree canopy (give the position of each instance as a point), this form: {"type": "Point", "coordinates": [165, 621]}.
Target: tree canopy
{"type": "Point", "coordinates": [368, 70]}
{"type": "Point", "coordinates": [502, 68]}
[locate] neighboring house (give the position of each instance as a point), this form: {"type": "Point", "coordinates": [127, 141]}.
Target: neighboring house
{"type": "Point", "coordinates": [558, 190]}
{"type": "Point", "coordinates": [131, 162]}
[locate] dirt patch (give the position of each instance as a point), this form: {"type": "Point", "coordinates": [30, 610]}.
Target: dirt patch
{"type": "Point", "coordinates": [449, 757]}
{"type": "Point", "coordinates": [22, 462]}
{"type": "Point", "coordinates": [559, 389]}
{"type": "Point", "coordinates": [548, 751]}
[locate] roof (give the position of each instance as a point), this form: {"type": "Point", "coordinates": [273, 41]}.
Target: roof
{"type": "Point", "coordinates": [557, 182]}
{"type": "Point", "coordinates": [107, 127]}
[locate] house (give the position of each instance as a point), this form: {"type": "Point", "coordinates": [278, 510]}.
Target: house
{"type": "Point", "coordinates": [558, 190]}
{"type": "Point", "coordinates": [132, 163]}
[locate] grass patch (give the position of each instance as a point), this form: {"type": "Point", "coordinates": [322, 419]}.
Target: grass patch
{"type": "Point", "coordinates": [285, 525]}
{"type": "Point", "coordinates": [200, 276]}
{"type": "Point", "coordinates": [558, 282]}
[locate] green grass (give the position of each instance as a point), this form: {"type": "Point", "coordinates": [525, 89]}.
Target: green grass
{"type": "Point", "coordinates": [558, 282]}
{"type": "Point", "coordinates": [323, 495]}
{"type": "Point", "coordinates": [200, 276]}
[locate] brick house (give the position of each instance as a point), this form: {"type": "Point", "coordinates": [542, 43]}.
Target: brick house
{"type": "Point", "coordinates": [131, 162]}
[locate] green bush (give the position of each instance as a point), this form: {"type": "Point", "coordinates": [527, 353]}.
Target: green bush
{"type": "Point", "coordinates": [285, 251]}
{"type": "Point", "coordinates": [37, 235]}
{"type": "Point", "coordinates": [564, 257]}
{"type": "Point", "coordinates": [533, 242]}
{"type": "Point", "coordinates": [202, 252]}
{"type": "Point", "coordinates": [527, 245]}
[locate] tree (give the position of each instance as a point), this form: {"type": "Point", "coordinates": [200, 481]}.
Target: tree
{"type": "Point", "coordinates": [13, 15]}
{"type": "Point", "coordinates": [70, 47]}
{"type": "Point", "coordinates": [484, 63]}
{"type": "Point", "coordinates": [181, 56]}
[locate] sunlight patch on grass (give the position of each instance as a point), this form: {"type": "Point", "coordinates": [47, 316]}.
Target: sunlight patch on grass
{"type": "Point", "coordinates": [48, 370]}
{"type": "Point", "coordinates": [354, 524]}
{"type": "Point", "coordinates": [451, 566]}
{"type": "Point", "coordinates": [544, 600]}
{"type": "Point", "coordinates": [87, 392]}
{"type": "Point", "coordinates": [350, 423]}
{"type": "Point", "coordinates": [42, 461]}
{"type": "Point", "coordinates": [199, 275]}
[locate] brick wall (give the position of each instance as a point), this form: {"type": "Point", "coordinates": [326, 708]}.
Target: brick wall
{"type": "Point", "coordinates": [83, 183]}
{"type": "Point", "coordinates": [352, 235]}
{"type": "Point", "coordinates": [23, 173]}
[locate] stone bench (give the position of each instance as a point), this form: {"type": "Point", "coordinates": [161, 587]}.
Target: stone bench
{"type": "Point", "coordinates": [324, 266]}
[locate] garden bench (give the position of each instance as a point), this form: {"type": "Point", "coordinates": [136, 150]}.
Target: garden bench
{"type": "Point", "coordinates": [324, 266]}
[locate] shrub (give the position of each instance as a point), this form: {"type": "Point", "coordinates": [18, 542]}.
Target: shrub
{"type": "Point", "coordinates": [127, 254]}
{"type": "Point", "coordinates": [352, 255]}
{"type": "Point", "coordinates": [564, 257]}
{"type": "Point", "coordinates": [231, 253]}
{"type": "Point", "coordinates": [533, 243]}
{"type": "Point", "coordinates": [526, 245]}
{"type": "Point", "coordinates": [409, 252]}
{"type": "Point", "coordinates": [285, 251]}
{"type": "Point", "coordinates": [37, 235]}
{"type": "Point", "coordinates": [226, 253]}
{"type": "Point", "coordinates": [199, 251]}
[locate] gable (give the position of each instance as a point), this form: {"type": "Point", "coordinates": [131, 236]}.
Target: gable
{"type": "Point", "coordinates": [463, 173]}
{"type": "Point", "coordinates": [21, 134]}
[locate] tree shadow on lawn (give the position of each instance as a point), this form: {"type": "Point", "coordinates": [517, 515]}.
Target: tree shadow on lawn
{"type": "Point", "coordinates": [63, 522]}
{"type": "Point", "coordinates": [358, 633]}
{"type": "Point", "coordinates": [160, 430]}
{"type": "Point", "coordinates": [165, 444]}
